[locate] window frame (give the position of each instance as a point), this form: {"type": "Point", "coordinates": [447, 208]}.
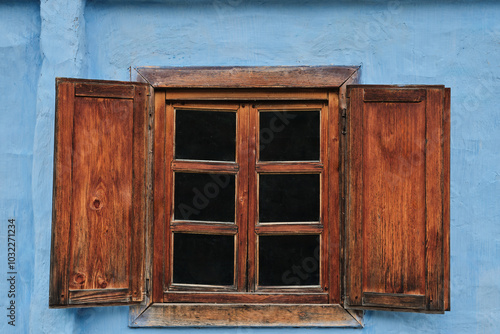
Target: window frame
{"type": "Point", "coordinates": [280, 85]}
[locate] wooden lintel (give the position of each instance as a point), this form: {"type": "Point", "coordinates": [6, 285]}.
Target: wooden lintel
{"type": "Point", "coordinates": [247, 76]}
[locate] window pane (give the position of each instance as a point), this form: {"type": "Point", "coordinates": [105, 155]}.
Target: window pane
{"type": "Point", "coordinates": [203, 196]}
{"type": "Point", "coordinates": [289, 197]}
{"type": "Point", "coordinates": [205, 135]}
{"type": "Point", "coordinates": [289, 260]}
{"type": "Point", "coordinates": [289, 136]}
{"type": "Point", "coordinates": [203, 259]}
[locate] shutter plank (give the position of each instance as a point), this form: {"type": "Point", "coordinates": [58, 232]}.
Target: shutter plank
{"type": "Point", "coordinates": [61, 195]}
{"type": "Point", "coordinates": [99, 194]}
{"type": "Point", "coordinates": [434, 194]}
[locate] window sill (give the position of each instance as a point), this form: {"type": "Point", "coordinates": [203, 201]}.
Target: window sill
{"type": "Point", "coordinates": [243, 315]}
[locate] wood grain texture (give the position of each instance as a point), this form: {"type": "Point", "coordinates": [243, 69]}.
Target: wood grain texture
{"type": "Point", "coordinates": [434, 199]}
{"type": "Point", "coordinates": [248, 298]}
{"type": "Point", "coordinates": [289, 167]}
{"type": "Point", "coordinates": [203, 166]}
{"type": "Point", "coordinates": [248, 315]}
{"type": "Point", "coordinates": [242, 196]}
{"type": "Point", "coordinates": [394, 300]}
{"type": "Point", "coordinates": [393, 201]}
{"type": "Point", "coordinates": [446, 198]}
{"type": "Point", "coordinates": [247, 77]}
{"type": "Point", "coordinates": [119, 91]}
{"type": "Point", "coordinates": [108, 296]}
{"type": "Point", "coordinates": [100, 172]}
{"type": "Point", "coordinates": [61, 216]}
{"type": "Point", "coordinates": [221, 94]}
{"type": "Point", "coordinates": [161, 208]}
{"type": "Point", "coordinates": [396, 198]}
{"type": "Point", "coordinates": [394, 95]}
{"type": "Point", "coordinates": [334, 269]}
{"type": "Point", "coordinates": [102, 194]}
{"type": "Point", "coordinates": [354, 249]}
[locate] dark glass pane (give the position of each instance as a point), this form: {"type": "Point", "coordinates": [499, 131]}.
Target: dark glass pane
{"type": "Point", "coordinates": [288, 197]}
{"type": "Point", "coordinates": [203, 259]}
{"type": "Point", "coordinates": [202, 196]}
{"type": "Point", "coordinates": [205, 135]}
{"type": "Point", "coordinates": [289, 136]}
{"type": "Point", "coordinates": [289, 260]}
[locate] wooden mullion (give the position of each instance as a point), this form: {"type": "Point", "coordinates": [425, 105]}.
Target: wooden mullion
{"type": "Point", "coordinates": [204, 228]}
{"type": "Point", "coordinates": [203, 166]}
{"type": "Point", "coordinates": [289, 167]}
{"type": "Point", "coordinates": [242, 196]}
{"type": "Point", "coordinates": [288, 228]}
{"type": "Point", "coordinates": [252, 198]}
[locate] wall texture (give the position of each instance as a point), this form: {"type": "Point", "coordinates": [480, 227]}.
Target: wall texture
{"type": "Point", "coordinates": [456, 43]}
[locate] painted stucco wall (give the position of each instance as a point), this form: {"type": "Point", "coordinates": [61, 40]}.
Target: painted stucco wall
{"type": "Point", "coordinates": [456, 43]}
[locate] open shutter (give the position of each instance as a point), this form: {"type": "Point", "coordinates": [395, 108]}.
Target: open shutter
{"type": "Point", "coordinates": [98, 227]}
{"type": "Point", "coordinates": [398, 198]}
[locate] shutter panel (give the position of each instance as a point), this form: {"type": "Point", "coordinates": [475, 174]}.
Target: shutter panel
{"type": "Point", "coordinates": [398, 198]}
{"type": "Point", "coordinates": [98, 227]}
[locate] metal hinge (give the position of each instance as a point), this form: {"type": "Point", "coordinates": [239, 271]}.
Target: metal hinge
{"type": "Point", "coordinates": [344, 116]}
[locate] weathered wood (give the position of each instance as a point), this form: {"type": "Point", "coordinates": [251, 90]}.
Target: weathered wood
{"type": "Point", "coordinates": [288, 228]}
{"type": "Point", "coordinates": [302, 297]}
{"type": "Point", "coordinates": [242, 197]}
{"type": "Point", "coordinates": [204, 166]}
{"type": "Point", "coordinates": [58, 294]}
{"type": "Point", "coordinates": [96, 296]}
{"type": "Point", "coordinates": [288, 167]}
{"type": "Point", "coordinates": [161, 207]}
{"type": "Point", "coordinates": [222, 94]}
{"type": "Point", "coordinates": [393, 197]}
{"type": "Point", "coordinates": [394, 300]}
{"type": "Point", "coordinates": [204, 227]}
{"type": "Point", "coordinates": [434, 199]}
{"type": "Point", "coordinates": [139, 190]}
{"type": "Point", "coordinates": [446, 199]}
{"type": "Point", "coordinates": [354, 187]}
{"type": "Point", "coordinates": [333, 196]}
{"type": "Point", "coordinates": [119, 91]}
{"type": "Point", "coordinates": [247, 77]}
{"type": "Point", "coordinates": [99, 192]}
{"type": "Point", "coordinates": [231, 315]}
{"type": "Point", "coordinates": [394, 95]}
{"type": "Point", "coordinates": [253, 216]}
{"type": "Point", "coordinates": [396, 198]}
{"type": "Point", "coordinates": [166, 257]}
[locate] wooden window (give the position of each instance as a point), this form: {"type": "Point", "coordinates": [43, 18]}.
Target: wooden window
{"type": "Point", "coordinates": [251, 197]}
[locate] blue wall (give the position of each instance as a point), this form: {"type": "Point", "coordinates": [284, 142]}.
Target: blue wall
{"type": "Point", "coordinates": [455, 43]}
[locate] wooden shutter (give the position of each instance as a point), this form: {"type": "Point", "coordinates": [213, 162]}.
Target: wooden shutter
{"type": "Point", "coordinates": [398, 156]}
{"type": "Point", "coordinates": [97, 255]}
